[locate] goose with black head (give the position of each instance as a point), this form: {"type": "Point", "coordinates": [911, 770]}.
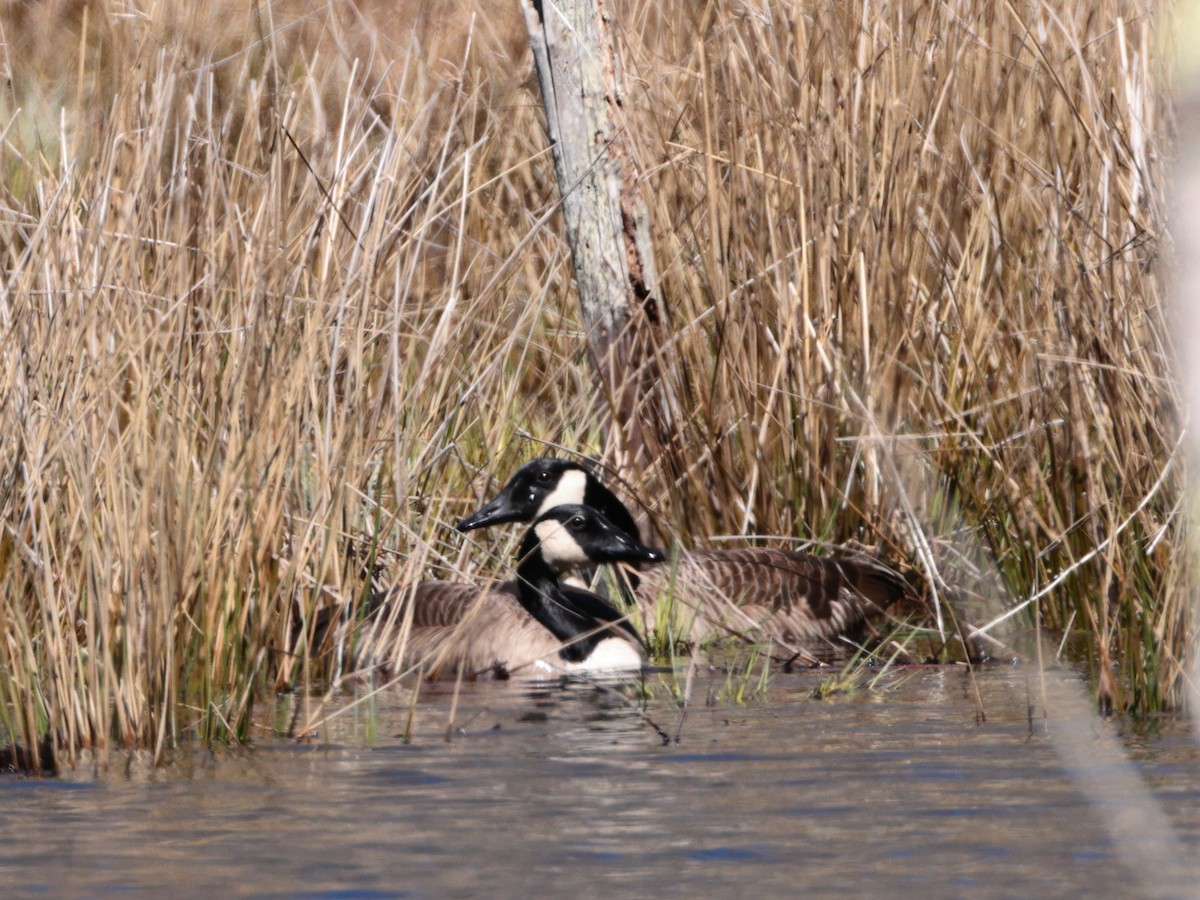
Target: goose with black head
{"type": "Point", "coordinates": [533, 624]}
{"type": "Point", "coordinates": [811, 605]}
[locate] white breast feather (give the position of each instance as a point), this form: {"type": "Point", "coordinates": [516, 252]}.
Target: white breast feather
{"type": "Point", "coordinates": [610, 654]}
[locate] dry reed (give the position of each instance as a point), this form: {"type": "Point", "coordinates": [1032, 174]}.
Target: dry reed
{"type": "Point", "coordinates": [284, 282]}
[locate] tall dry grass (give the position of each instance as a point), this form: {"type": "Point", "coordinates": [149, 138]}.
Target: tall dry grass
{"type": "Point", "coordinates": [287, 280]}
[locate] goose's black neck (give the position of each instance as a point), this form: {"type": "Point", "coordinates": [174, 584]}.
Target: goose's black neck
{"type": "Point", "coordinates": [597, 496]}
{"type": "Point", "coordinates": [565, 614]}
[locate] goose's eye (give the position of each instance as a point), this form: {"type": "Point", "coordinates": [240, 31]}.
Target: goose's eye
{"type": "Point", "coordinates": [577, 522]}
{"type": "Point", "coordinates": [543, 476]}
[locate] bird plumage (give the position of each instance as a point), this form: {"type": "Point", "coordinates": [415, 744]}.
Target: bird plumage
{"type": "Point", "coordinates": [807, 604]}
{"type": "Point", "coordinates": [532, 624]}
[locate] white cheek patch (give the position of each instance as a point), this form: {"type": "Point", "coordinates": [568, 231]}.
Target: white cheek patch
{"type": "Point", "coordinates": [571, 485]}
{"type": "Point", "coordinates": [559, 549]}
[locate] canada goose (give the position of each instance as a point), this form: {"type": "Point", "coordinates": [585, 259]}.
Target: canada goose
{"type": "Point", "coordinates": [804, 603]}
{"type": "Point", "coordinates": [531, 624]}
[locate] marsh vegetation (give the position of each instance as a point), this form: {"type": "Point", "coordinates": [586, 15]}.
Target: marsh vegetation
{"type": "Point", "coordinates": [284, 288]}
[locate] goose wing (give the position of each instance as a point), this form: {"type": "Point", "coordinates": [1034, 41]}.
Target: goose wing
{"type": "Point", "coordinates": [793, 598]}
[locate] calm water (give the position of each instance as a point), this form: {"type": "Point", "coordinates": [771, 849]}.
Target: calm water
{"type": "Point", "coordinates": [899, 792]}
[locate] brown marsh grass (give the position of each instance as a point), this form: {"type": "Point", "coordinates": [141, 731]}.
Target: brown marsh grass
{"type": "Point", "coordinates": [284, 288]}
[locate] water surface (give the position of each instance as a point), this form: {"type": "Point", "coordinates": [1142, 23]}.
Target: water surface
{"type": "Point", "coordinates": [902, 791]}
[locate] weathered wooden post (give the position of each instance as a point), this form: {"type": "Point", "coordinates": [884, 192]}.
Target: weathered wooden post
{"type": "Point", "coordinates": [607, 223]}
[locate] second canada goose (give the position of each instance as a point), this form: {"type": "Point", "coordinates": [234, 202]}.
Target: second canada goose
{"type": "Point", "coordinates": [802, 602]}
{"type": "Point", "coordinates": [530, 625]}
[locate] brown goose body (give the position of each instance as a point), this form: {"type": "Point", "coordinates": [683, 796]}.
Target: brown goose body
{"type": "Point", "coordinates": [533, 625]}
{"type": "Point", "coordinates": [809, 605]}
{"type": "Point", "coordinates": [804, 604]}
{"type": "Point", "coordinates": [484, 632]}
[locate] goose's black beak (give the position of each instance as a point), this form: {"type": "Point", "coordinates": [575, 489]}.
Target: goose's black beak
{"type": "Point", "coordinates": [495, 512]}
{"type": "Point", "coordinates": [625, 549]}
{"type": "Point", "coordinates": [649, 555]}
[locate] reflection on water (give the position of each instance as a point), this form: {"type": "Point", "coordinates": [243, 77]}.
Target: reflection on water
{"type": "Point", "coordinates": [897, 792]}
